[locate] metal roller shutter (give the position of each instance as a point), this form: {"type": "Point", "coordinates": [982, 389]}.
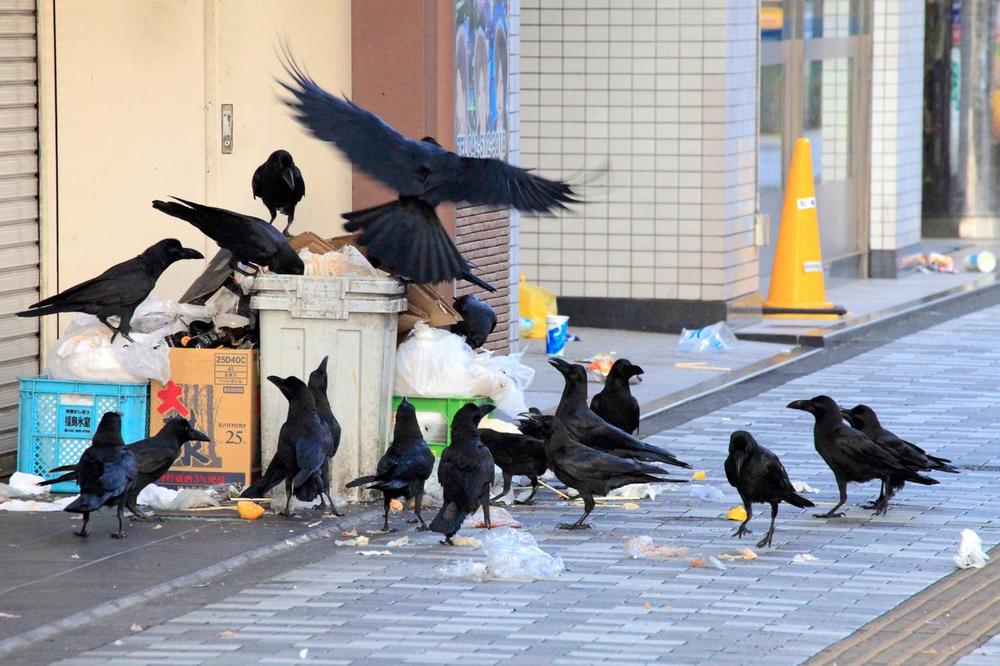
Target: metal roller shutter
{"type": "Point", "coordinates": [18, 206]}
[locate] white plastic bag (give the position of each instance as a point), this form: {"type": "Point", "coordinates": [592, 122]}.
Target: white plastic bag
{"type": "Point", "coordinates": [643, 548]}
{"type": "Point", "coordinates": [167, 499]}
{"type": "Point", "coordinates": [970, 551]}
{"type": "Point", "coordinates": [715, 338]}
{"type": "Point", "coordinates": [85, 353]}
{"type": "Point", "coordinates": [511, 555]}
{"type": "Point", "coordinates": [706, 493]}
{"type": "Point", "coordinates": [343, 262]}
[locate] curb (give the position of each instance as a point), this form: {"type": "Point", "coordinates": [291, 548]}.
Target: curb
{"type": "Point", "coordinates": [109, 608]}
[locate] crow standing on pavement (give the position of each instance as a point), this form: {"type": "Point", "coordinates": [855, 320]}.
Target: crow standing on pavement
{"type": "Point", "coordinates": [153, 457]}
{"type": "Point", "coordinates": [516, 453]}
{"type": "Point", "coordinates": [249, 239]}
{"type": "Point", "coordinates": [591, 430]}
{"type": "Point", "coordinates": [588, 471]}
{"type": "Point", "coordinates": [759, 476]}
{"type": "Point", "coordinates": [302, 446]}
{"type": "Point", "coordinates": [615, 403]}
{"type": "Point", "coordinates": [863, 418]}
{"type": "Point", "coordinates": [317, 386]}
{"type": "Point", "coordinates": [478, 320]}
{"type": "Point", "coordinates": [851, 455]}
{"type": "Point", "coordinates": [465, 473]}
{"type": "Point", "coordinates": [106, 472]}
{"type": "Point", "coordinates": [406, 235]}
{"type": "Point", "coordinates": [404, 468]}
{"type": "Point", "coordinates": [119, 290]}
{"type": "Point", "coordinates": [278, 183]}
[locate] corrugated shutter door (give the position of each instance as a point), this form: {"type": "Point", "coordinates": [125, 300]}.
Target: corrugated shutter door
{"type": "Point", "coordinates": [18, 207]}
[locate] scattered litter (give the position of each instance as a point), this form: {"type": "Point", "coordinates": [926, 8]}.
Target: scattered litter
{"type": "Point", "coordinates": [400, 542]}
{"type": "Point", "coordinates": [315, 524]}
{"type": "Point", "coordinates": [373, 553]}
{"type": "Point", "coordinates": [356, 541]}
{"type": "Point", "coordinates": [706, 493]}
{"type": "Point", "coordinates": [74, 556]}
{"type": "Point", "coordinates": [698, 563]}
{"type": "Point", "coordinates": [167, 499]}
{"type": "Point", "coordinates": [510, 555]}
{"type": "Point", "coordinates": [466, 541]}
{"type": "Point", "coordinates": [599, 365]}
{"type": "Point", "coordinates": [717, 563]}
{"type": "Point", "coordinates": [643, 548]}
{"type": "Point", "coordinates": [352, 533]}
{"type": "Point", "coordinates": [8, 615]}
{"type": "Point", "coordinates": [635, 491]}
{"type": "Point", "coordinates": [630, 506]}
{"type": "Point", "coordinates": [228, 634]}
{"type": "Point", "coordinates": [802, 558]}
{"type": "Point", "coordinates": [737, 513]}
{"type": "Point", "coordinates": [395, 506]}
{"type": "Point", "coordinates": [35, 505]}
{"type": "Point", "coordinates": [26, 484]}
{"type": "Point", "coordinates": [715, 338]}
{"type": "Point", "coordinates": [498, 518]}
{"type": "Point", "coordinates": [699, 476]}
{"type": "Point", "coordinates": [803, 487]}
{"type": "Point", "coordinates": [119, 642]}
{"type": "Point", "coordinates": [136, 628]}
{"type": "Point", "coordinates": [303, 653]}
{"type": "Point", "coordinates": [970, 551]}
{"type": "Point", "coordinates": [157, 526]}
{"type": "Point", "coordinates": [745, 554]}
{"type": "Point", "coordinates": [250, 510]}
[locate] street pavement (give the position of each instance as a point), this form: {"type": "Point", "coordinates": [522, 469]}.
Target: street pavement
{"type": "Point", "coordinates": [939, 388]}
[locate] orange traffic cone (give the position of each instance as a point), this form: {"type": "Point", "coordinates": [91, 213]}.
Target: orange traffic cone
{"type": "Point", "coordinates": [797, 290]}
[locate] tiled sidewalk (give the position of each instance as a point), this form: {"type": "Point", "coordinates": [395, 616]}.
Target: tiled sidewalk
{"type": "Point", "coordinates": [939, 388]}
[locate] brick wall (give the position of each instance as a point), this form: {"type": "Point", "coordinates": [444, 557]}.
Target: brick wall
{"type": "Point", "coordinates": [482, 234]}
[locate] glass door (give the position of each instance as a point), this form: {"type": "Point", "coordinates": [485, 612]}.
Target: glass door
{"type": "Point", "coordinates": [814, 82]}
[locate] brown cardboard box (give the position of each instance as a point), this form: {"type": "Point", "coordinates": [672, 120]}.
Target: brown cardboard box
{"type": "Point", "coordinates": [219, 391]}
{"type": "Point", "coordinates": [310, 240]}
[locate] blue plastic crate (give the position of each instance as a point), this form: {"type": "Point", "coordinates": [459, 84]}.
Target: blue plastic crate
{"type": "Point", "coordinates": [57, 421]}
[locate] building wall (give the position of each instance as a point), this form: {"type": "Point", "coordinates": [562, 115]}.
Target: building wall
{"type": "Point", "coordinates": [657, 101]}
{"type": "Point", "coordinates": [896, 130]}
{"type": "Point", "coordinates": [514, 155]}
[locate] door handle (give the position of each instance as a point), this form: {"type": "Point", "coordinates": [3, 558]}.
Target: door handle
{"type": "Point", "coordinates": [227, 128]}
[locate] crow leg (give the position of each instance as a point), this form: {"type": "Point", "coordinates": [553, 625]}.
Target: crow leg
{"type": "Point", "coordinates": [291, 216]}
{"type": "Point", "coordinates": [333, 507]}
{"type": "Point", "coordinates": [83, 530]}
{"type": "Point", "coordinates": [288, 497]}
{"type": "Point", "coordinates": [274, 214]}
{"type": "Point", "coordinates": [418, 501]}
{"type": "Point", "coordinates": [530, 500]}
{"type": "Point", "coordinates": [120, 534]}
{"type": "Point", "coordinates": [485, 501]}
{"type": "Point", "coordinates": [742, 529]}
{"type": "Point", "coordinates": [766, 541]}
{"type": "Point", "coordinates": [385, 513]}
{"type": "Point", "coordinates": [832, 513]}
{"type": "Point", "coordinates": [878, 502]}
{"type": "Point", "coordinates": [149, 518]}
{"type": "Point", "coordinates": [506, 486]}
{"type": "Point", "coordinates": [588, 506]}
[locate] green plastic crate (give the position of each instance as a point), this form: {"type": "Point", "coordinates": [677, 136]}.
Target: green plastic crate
{"type": "Point", "coordinates": [446, 407]}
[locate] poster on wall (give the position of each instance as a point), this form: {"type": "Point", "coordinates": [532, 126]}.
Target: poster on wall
{"type": "Point", "coordinates": [481, 68]}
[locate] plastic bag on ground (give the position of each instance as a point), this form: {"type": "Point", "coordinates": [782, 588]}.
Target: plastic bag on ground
{"type": "Point", "coordinates": [498, 518]}
{"type": "Point", "coordinates": [85, 353]}
{"type": "Point", "coordinates": [706, 493]}
{"type": "Point", "coordinates": [715, 338]}
{"type": "Point", "coordinates": [167, 499]}
{"type": "Point", "coordinates": [22, 484]}
{"type": "Point", "coordinates": [803, 487]}
{"type": "Point", "coordinates": [35, 505]}
{"type": "Point", "coordinates": [970, 551]}
{"type": "Point", "coordinates": [511, 555]}
{"type": "Point", "coordinates": [643, 548]}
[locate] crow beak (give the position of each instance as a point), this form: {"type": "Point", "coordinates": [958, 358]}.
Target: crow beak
{"type": "Point", "coordinates": [276, 380]}
{"type": "Point", "coordinates": [188, 253]}
{"type": "Point", "coordinates": [802, 405]}
{"type": "Point", "coordinates": [322, 364]}
{"type": "Point", "coordinates": [559, 364]}
{"type": "Point", "coordinates": [485, 409]}
{"type": "Point", "coordinates": [289, 177]}
{"type": "Point", "coordinates": [198, 436]}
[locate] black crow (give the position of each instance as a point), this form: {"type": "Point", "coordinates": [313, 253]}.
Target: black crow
{"type": "Point", "coordinates": [317, 385]}
{"type": "Point", "coordinates": [249, 239]}
{"type": "Point", "coordinates": [589, 471]}
{"type": "Point", "coordinates": [863, 418]}
{"type": "Point", "coordinates": [759, 476]}
{"type": "Point", "coordinates": [529, 423]}
{"type": "Point", "coordinates": [404, 468]}
{"type": "Point", "coordinates": [478, 320]}
{"type": "Point", "coordinates": [516, 454]}
{"type": "Point", "coordinates": [106, 472]}
{"type": "Point", "coordinates": [465, 473]}
{"type": "Point", "coordinates": [119, 290]}
{"type": "Point", "coordinates": [406, 234]}
{"type": "Point", "coordinates": [851, 455]}
{"type": "Point", "coordinates": [153, 456]}
{"type": "Point", "coordinates": [278, 183]}
{"type": "Point", "coordinates": [614, 403]}
{"type": "Point", "coordinates": [302, 446]}
{"type": "Point", "coordinates": [590, 429]}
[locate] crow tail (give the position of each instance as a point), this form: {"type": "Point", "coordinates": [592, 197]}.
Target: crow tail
{"type": "Point", "coordinates": [797, 500]}
{"type": "Point", "coordinates": [362, 480]}
{"type": "Point", "coordinates": [449, 520]}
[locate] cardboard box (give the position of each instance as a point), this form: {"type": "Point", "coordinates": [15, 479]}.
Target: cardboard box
{"type": "Point", "coordinates": [310, 240]}
{"type": "Point", "coordinates": [218, 390]}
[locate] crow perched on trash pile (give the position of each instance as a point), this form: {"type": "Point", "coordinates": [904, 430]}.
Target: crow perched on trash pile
{"type": "Point", "coordinates": [406, 235]}
{"type": "Point", "coordinates": [249, 239]}
{"type": "Point", "coordinates": [516, 454]}
{"type": "Point", "coordinates": [118, 291]}
{"type": "Point", "coordinates": [404, 468]}
{"type": "Point", "coordinates": [302, 445]}
{"type": "Point", "coordinates": [863, 418]}
{"type": "Point", "coordinates": [478, 320]}
{"type": "Point", "coordinates": [591, 430]}
{"type": "Point", "coordinates": [317, 386]}
{"type": "Point", "coordinates": [852, 456]}
{"type": "Point", "coordinates": [758, 476]}
{"type": "Point", "coordinates": [588, 471]}
{"type": "Point", "coordinates": [279, 184]}
{"type": "Point", "coordinates": [465, 473]}
{"type": "Point", "coordinates": [615, 403]}
{"type": "Point", "coordinates": [106, 472]}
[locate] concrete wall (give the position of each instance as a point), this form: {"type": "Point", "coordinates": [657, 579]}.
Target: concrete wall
{"type": "Point", "coordinates": [664, 95]}
{"type": "Point", "coordinates": [137, 86]}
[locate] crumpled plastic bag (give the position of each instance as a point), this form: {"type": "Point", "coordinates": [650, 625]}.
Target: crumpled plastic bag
{"type": "Point", "coordinates": [511, 555]}
{"type": "Point", "coordinates": [36, 505]}
{"type": "Point", "coordinates": [85, 353]}
{"type": "Point", "coordinates": [643, 548]}
{"type": "Point", "coordinates": [22, 485]}
{"type": "Point", "coordinates": [498, 518]}
{"type": "Point", "coordinates": [347, 261]}
{"type": "Point", "coordinates": [167, 499]}
{"type": "Point", "coordinates": [435, 363]}
{"type": "Point", "coordinates": [157, 316]}
{"type": "Point", "coordinates": [803, 487]}
{"type": "Point", "coordinates": [715, 338]}
{"type": "Point", "coordinates": [970, 551]}
{"type": "Point", "coordinates": [706, 493]}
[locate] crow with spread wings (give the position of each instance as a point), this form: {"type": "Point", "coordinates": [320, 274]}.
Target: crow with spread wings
{"type": "Point", "coordinates": [406, 235]}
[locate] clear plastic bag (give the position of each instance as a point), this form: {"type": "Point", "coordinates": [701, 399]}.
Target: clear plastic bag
{"type": "Point", "coordinates": [706, 493]}
{"type": "Point", "coordinates": [343, 262]}
{"type": "Point", "coordinates": [167, 499]}
{"type": "Point", "coordinates": [643, 548]}
{"type": "Point", "coordinates": [970, 551]}
{"type": "Point", "coordinates": [715, 338]}
{"type": "Point", "coordinates": [511, 555]}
